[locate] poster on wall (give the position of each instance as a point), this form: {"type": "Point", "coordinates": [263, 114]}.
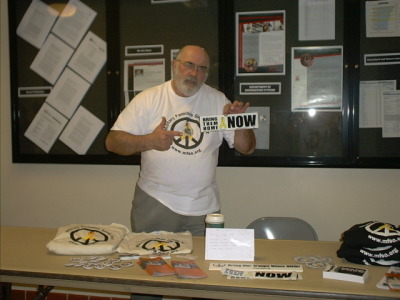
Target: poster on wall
{"type": "Point", "coordinates": [382, 18]}
{"type": "Point", "coordinates": [142, 74]}
{"type": "Point", "coordinates": [371, 102]}
{"type": "Point", "coordinates": [316, 20]}
{"type": "Point", "coordinates": [260, 43]}
{"type": "Point", "coordinates": [317, 78]}
{"type": "Point", "coordinates": [391, 114]}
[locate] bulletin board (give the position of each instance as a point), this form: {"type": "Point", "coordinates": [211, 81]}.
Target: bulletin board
{"type": "Point", "coordinates": [48, 92]}
{"type": "Point", "coordinates": [306, 67]}
{"type": "Point", "coordinates": [135, 33]}
{"type": "Point", "coordinates": [378, 118]}
{"type": "Point", "coordinates": [269, 43]}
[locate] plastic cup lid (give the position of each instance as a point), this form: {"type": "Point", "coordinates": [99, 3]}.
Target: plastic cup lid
{"type": "Point", "coordinates": [215, 218]}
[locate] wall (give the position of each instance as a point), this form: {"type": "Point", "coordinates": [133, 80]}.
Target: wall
{"type": "Point", "coordinates": [331, 200]}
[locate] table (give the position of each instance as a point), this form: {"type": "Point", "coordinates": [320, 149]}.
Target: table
{"type": "Point", "coordinates": [24, 259]}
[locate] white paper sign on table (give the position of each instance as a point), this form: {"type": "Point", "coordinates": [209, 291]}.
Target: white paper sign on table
{"type": "Point", "coordinates": [229, 244]}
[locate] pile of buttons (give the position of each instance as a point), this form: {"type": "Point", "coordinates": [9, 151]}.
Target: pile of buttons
{"type": "Point", "coordinates": [99, 263]}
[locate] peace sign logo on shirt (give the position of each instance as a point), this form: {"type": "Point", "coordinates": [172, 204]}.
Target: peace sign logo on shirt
{"type": "Point", "coordinates": [87, 236]}
{"type": "Point", "coordinates": [161, 245]}
{"type": "Point", "coordinates": [380, 229]}
{"type": "Point", "coordinates": [191, 136]}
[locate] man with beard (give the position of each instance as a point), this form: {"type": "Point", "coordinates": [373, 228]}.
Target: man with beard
{"type": "Point", "coordinates": [177, 186]}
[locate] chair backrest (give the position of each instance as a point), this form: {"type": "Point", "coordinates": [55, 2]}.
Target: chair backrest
{"type": "Point", "coordinates": [283, 228]}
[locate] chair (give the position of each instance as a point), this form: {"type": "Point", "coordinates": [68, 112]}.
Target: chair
{"type": "Point", "coordinates": [282, 228]}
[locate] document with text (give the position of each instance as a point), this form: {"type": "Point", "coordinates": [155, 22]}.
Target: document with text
{"type": "Point", "coordinates": [371, 101]}
{"type": "Point", "coordinates": [76, 20]}
{"type": "Point", "coordinates": [316, 20]}
{"type": "Point", "coordinates": [90, 57]}
{"type": "Point", "coordinates": [391, 114]}
{"type": "Point", "coordinates": [46, 127]}
{"type": "Point", "coordinates": [52, 59]}
{"type": "Point", "coordinates": [36, 23]}
{"type": "Point", "coordinates": [68, 93]}
{"type": "Point", "coordinates": [81, 131]}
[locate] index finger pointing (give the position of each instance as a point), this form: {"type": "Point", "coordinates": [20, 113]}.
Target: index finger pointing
{"type": "Point", "coordinates": [172, 133]}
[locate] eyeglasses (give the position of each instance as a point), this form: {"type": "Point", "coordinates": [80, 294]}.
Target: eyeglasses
{"type": "Point", "coordinates": [191, 67]}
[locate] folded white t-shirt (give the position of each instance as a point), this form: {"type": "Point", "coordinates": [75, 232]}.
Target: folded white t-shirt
{"type": "Point", "coordinates": [158, 242]}
{"type": "Point", "coordinates": [84, 239]}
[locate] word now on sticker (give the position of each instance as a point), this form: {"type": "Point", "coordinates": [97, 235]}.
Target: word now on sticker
{"type": "Point", "coordinates": [229, 122]}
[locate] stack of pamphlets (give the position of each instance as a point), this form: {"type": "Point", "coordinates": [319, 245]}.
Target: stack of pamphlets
{"type": "Point", "coordinates": [187, 269]}
{"type": "Point", "coordinates": [391, 280]}
{"type": "Point", "coordinates": [346, 274]}
{"type": "Point", "coordinates": [156, 266]}
{"type": "Point", "coordinates": [159, 267]}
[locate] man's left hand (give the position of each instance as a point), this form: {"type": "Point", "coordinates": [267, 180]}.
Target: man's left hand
{"type": "Point", "coordinates": [236, 107]}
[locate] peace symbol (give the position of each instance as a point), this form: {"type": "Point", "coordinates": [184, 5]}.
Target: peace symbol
{"type": "Point", "coordinates": [382, 229]}
{"type": "Point", "coordinates": [86, 236]}
{"type": "Point", "coordinates": [161, 246]}
{"type": "Point", "coordinates": [188, 140]}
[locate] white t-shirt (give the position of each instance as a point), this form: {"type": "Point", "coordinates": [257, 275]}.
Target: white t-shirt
{"type": "Point", "coordinates": [183, 177]}
{"type": "Point", "coordinates": [87, 239]}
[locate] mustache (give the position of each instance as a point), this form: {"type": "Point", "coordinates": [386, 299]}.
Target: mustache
{"type": "Point", "coordinates": [191, 79]}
